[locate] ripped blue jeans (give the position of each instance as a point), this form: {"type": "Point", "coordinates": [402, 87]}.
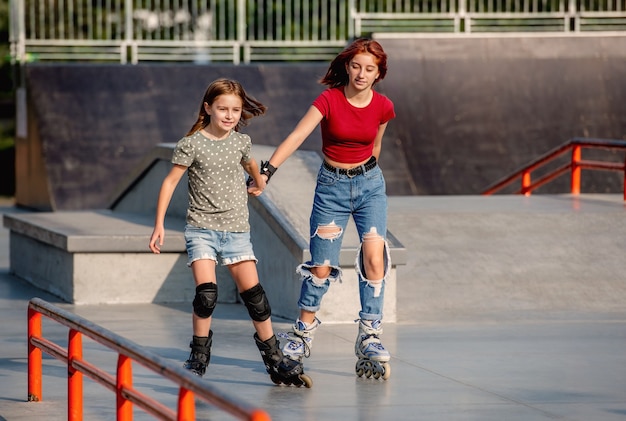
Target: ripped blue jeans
{"type": "Point", "coordinates": [337, 197]}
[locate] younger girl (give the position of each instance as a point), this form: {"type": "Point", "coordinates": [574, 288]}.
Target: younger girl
{"type": "Point", "coordinates": [217, 222]}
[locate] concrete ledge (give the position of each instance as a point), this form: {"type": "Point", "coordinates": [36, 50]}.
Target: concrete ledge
{"type": "Point", "coordinates": [100, 231]}
{"type": "Point", "coordinates": [98, 257]}
{"type": "Point", "coordinates": [102, 256]}
{"type": "Point", "coordinates": [93, 257]}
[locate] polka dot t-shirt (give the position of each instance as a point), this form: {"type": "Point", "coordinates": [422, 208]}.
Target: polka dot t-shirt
{"type": "Point", "coordinates": [218, 198]}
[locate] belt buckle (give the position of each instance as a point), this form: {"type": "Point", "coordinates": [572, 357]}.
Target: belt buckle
{"type": "Point", "coordinates": [352, 172]}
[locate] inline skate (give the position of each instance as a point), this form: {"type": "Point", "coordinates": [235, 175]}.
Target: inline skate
{"type": "Point", "coordinates": [373, 358]}
{"type": "Point", "coordinates": [200, 354]}
{"type": "Point", "coordinates": [300, 340]}
{"type": "Point", "coordinates": [282, 369]}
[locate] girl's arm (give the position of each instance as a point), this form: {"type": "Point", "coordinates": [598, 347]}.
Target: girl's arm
{"type": "Point", "coordinates": [303, 129]}
{"type": "Point", "coordinates": [379, 140]}
{"type": "Point", "coordinates": [165, 196]}
{"type": "Point", "coordinates": [252, 168]}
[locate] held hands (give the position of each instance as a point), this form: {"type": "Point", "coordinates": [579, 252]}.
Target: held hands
{"type": "Point", "coordinates": [257, 184]}
{"type": "Point", "coordinates": [253, 188]}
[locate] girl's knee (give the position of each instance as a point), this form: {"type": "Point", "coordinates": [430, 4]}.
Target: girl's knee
{"type": "Point", "coordinates": [321, 272]}
{"type": "Point", "coordinates": [319, 275]}
{"type": "Point", "coordinates": [373, 259]}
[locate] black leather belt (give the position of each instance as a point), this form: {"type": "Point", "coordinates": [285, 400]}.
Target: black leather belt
{"type": "Point", "coordinates": [353, 172]}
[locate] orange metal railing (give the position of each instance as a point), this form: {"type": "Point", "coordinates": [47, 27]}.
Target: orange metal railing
{"type": "Point", "coordinates": [122, 384]}
{"type": "Point", "coordinates": [574, 166]}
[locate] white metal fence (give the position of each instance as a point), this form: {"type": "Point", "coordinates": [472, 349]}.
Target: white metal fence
{"type": "Point", "coordinates": [132, 31]}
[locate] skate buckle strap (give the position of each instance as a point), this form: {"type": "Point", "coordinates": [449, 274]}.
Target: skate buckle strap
{"type": "Point", "coordinates": [303, 332]}
{"type": "Point", "coordinates": [305, 345]}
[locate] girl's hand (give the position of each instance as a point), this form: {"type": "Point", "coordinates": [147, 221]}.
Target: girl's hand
{"type": "Point", "coordinates": [254, 190]}
{"type": "Point", "coordinates": [256, 184]}
{"type": "Point", "coordinates": [156, 240]}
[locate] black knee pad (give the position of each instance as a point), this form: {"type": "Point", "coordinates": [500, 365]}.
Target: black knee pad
{"type": "Point", "coordinates": [205, 300]}
{"type": "Point", "coordinates": [256, 303]}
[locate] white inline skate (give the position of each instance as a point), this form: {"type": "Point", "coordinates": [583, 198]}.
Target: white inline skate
{"type": "Point", "coordinates": [373, 358]}
{"type": "Point", "coordinates": [298, 343]}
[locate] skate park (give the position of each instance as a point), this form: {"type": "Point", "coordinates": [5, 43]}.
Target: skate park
{"type": "Point", "coordinates": [507, 307]}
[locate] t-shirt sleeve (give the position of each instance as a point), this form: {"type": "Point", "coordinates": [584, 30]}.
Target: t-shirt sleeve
{"type": "Point", "coordinates": [183, 152]}
{"type": "Point", "coordinates": [247, 148]}
{"type": "Point", "coordinates": [389, 112]}
{"type": "Point", "coordinates": [322, 103]}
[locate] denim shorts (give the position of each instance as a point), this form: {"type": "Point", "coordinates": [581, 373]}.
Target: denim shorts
{"type": "Point", "coordinates": [229, 247]}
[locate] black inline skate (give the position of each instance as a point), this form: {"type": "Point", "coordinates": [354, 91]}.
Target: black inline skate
{"type": "Point", "coordinates": [200, 354]}
{"type": "Point", "coordinates": [282, 370]}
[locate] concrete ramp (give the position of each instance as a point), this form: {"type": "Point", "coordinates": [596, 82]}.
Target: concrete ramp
{"type": "Point", "coordinates": [90, 125]}
{"type": "Point", "coordinates": [472, 110]}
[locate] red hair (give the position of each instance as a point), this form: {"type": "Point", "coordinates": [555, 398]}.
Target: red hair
{"type": "Point", "coordinates": [336, 75]}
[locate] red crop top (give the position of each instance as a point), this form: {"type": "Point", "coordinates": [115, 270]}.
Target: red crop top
{"type": "Point", "coordinates": [348, 132]}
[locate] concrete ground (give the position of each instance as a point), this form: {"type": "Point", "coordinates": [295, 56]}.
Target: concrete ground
{"type": "Point", "coordinates": [509, 308]}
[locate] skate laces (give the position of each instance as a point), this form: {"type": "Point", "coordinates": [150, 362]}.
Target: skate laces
{"type": "Point", "coordinates": [305, 334]}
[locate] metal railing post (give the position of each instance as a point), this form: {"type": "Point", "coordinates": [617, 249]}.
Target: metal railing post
{"type": "Point", "coordinates": [354, 27]}
{"type": "Point", "coordinates": [240, 22]}
{"type": "Point", "coordinates": [34, 357]}
{"type": "Point", "coordinates": [526, 182]}
{"type": "Point", "coordinates": [129, 35]}
{"type": "Point", "coordinates": [124, 380]}
{"type": "Point", "coordinates": [575, 171]}
{"type": "Point", "coordinates": [74, 377]}
{"type": "Point", "coordinates": [186, 405]}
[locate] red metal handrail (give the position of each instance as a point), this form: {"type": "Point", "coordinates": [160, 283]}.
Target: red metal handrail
{"type": "Point", "coordinates": [122, 385]}
{"type": "Point", "coordinates": [574, 166]}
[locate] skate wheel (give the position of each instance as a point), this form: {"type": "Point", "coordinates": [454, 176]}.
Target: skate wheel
{"type": "Point", "coordinates": [306, 381]}
{"type": "Point", "coordinates": [360, 367]}
{"type": "Point", "coordinates": [368, 368]}
{"type": "Point", "coordinates": [386, 370]}
{"type": "Point", "coordinates": [364, 368]}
